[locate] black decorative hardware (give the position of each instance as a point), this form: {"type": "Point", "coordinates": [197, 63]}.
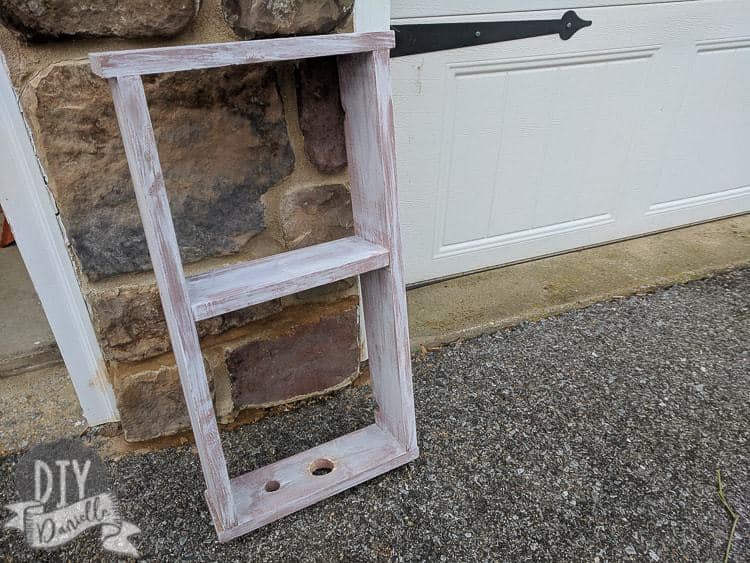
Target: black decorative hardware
{"type": "Point", "coordinates": [426, 38]}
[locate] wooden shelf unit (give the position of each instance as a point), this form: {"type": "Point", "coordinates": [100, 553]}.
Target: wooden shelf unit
{"type": "Point", "coordinates": [250, 501]}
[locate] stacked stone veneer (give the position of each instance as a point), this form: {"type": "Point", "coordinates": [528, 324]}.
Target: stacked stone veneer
{"type": "Point", "coordinates": [254, 162]}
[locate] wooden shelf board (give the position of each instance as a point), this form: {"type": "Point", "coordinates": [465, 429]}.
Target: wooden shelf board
{"type": "Point", "coordinates": [131, 62]}
{"type": "Point", "coordinates": [355, 458]}
{"type": "Point", "coordinates": [242, 285]}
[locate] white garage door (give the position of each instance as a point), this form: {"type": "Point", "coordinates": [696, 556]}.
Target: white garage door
{"type": "Point", "coordinates": [515, 150]}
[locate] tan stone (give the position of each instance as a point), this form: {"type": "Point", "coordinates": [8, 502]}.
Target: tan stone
{"type": "Point", "coordinates": [53, 19]}
{"type": "Point", "coordinates": [314, 214]}
{"type": "Point", "coordinates": [327, 292]}
{"type": "Point", "coordinates": [151, 402]}
{"type": "Point", "coordinates": [223, 402]}
{"type": "Point", "coordinates": [130, 324]}
{"type": "Point", "coordinates": [222, 140]}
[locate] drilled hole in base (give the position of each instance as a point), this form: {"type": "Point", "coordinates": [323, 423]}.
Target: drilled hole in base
{"type": "Point", "coordinates": [321, 466]}
{"type": "Point", "coordinates": [272, 486]}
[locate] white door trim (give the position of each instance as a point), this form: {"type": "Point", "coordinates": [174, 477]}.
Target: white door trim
{"type": "Point", "coordinates": [33, 216]}
{"type": "Point", "coordinates": [372, 15]}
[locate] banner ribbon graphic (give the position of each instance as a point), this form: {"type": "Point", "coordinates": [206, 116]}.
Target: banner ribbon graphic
{"type": "Point", "coordinates": [52, 529]}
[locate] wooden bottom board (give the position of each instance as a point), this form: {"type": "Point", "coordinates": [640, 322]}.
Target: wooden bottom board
{"type": "Point", "coordinates": [278, 489]}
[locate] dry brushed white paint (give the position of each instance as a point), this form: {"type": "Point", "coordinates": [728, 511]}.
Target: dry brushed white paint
{"type": "Point", "coordinates": [148, 181]}
{"type": "Point", "coordinates": [369, 15]}
{"type": "Point", "coordinates": [515, 150]}
{"type": "Point", "coordinates": [30, 210]}
{"type": "Point", "coordinates": [242, 285]}
{"type": "Point", "coordinates": [212, 55]}
{"type": "Point", "coordinates": [365, 84]}
{"type": "Point", "coordinates": [242, 504]}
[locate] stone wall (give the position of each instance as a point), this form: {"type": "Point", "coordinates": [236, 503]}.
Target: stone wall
{"type": "Point", "coordinates": [254, 163]}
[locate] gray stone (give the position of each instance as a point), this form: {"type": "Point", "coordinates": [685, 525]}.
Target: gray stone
{"type": "Point", "coordinates": [130, 324]}
{"type": "Point", "coordinates": [267, 18]}
{"type": "Point", "coordinates": [222, 140]}
{"type": "Point", "coordinates": [321, 116]}
{"type": "Point", "coordinates": [311, 356]}
{"type": "Point", "coordinates": [53, 19]}
{"type": "Point", "coordinates": [314, 214]}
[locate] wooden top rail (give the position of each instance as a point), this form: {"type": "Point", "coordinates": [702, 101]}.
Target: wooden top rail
{"type": "Point", "coordinates": [112, 64]}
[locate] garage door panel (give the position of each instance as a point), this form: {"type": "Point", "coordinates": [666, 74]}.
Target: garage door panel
{"type": "Point", "coordinates": [514, 150]}
{"type": "Point", "coordinates": [418, 126]}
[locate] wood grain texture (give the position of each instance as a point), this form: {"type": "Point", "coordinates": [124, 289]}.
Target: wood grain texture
{"type": "Point", "coordinates": [143, 160]}
{"type": "Point", "coordinates": [228, 289]}
{"type": "Point", "coordinates": [355, 458]}
{"type": "Point", "coordinates": [366, 97]}
{"type": "Point", "coordinates": [189, 57]}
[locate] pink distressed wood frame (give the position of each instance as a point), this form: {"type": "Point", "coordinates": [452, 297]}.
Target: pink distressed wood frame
{"type": "Point", "coordinates": [250, 501]}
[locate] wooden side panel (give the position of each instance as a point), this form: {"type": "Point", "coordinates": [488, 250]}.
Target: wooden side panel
{"type": "Point", "coordinates": [143, 160]}
{"type": "Point", "coordinates": [366, 97]}
{"type": "Point", "coordinates": [189, 57]}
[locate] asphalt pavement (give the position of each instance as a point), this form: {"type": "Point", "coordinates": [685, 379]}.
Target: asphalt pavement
{"type": "Point", "coordinates": [590, 436]}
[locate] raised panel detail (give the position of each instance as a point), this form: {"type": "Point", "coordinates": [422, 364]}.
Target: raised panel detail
{"type": "Point", "coordinates": [535, 147]}
{"type": "Point", "coordinates": [707, 157]}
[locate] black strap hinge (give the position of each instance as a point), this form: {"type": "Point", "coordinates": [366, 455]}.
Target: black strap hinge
{"type": "Point", "coordinates": [412, 39]}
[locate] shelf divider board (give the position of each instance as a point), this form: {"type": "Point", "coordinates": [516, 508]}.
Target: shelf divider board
{"type": "Point", "coordinates": [234, 287]}
{"type": "Point", "coordinates": [257, 498]}
{"type": "Point", "coordinates": [212, 55]}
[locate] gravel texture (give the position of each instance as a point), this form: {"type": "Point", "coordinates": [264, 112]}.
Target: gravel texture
{"type": "Point", "coordinates": [591, 436]}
